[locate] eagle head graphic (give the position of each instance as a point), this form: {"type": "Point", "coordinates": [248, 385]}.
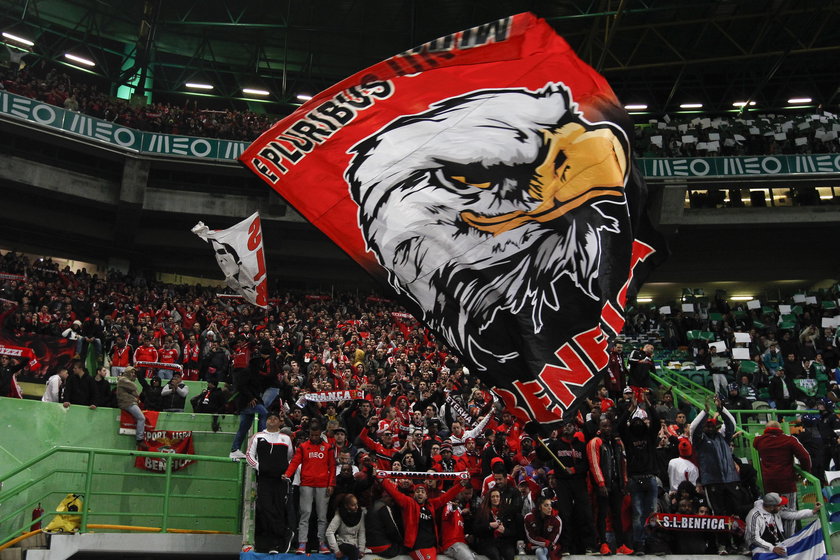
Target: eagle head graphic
{"type": "Point", "coordinates": [493, 204]}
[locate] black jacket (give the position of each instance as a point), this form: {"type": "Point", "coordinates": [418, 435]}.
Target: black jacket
{"type": "Point", "coordinates": [79, 390]}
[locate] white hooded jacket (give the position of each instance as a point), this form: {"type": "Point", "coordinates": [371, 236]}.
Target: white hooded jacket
{"type": "Point", "coordinates": [758, 519]}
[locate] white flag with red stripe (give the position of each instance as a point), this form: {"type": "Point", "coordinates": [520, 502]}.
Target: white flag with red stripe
{"type": "Point", "coordinates": [239, 252]}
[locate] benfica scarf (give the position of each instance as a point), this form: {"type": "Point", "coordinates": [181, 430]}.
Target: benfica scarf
{"type": "Point", "coordinates": [680, 522]}
{"type": "Point", "coordinates": [20, 352]}
{"type": "Point", "coordinates": [486, 177]}
{"type": "Point", "coordinates": [419, 475]}
{"type": "Point", "coordinates": [331, 396]}
{"type": "Point", "coordinates": [160, 365]}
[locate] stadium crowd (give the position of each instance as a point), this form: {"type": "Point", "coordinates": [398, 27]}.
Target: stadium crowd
{"type": "Point", "coordinates": [753, 134]}
{"type": "Point", "coordinates": [799, 132]}
{"type": "Point", "coordinates": [350, 391]}
{"type": "Point", "coordinates": [57, 88]}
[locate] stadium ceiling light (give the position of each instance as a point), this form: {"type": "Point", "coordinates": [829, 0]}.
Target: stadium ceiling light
{"type": "Point", "coordinates": [795, 100]}
{"type": "Point", "coordinates": [691, 105]}
{"type": "Point", "coordinates": [636, 107]}
{"type": "Point", "coordinates": [643, 300]}
{"type": "Point", "coordinates": [79, 59]}
{"type": "Point", "coordinates": [198, 85]}
{"type": "Point", "coordinates": [303, 97]}
{"type": "Point", "coordinates": [252, 91]}
{"type": "Point", "coordinates": [742, 298]}
{"type": "Point", "coordinates": [17, 39]}
{"type": "Point", "coordinates": [742, 103]}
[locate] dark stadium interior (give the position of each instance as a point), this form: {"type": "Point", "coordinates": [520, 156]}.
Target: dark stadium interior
{"type": "Point", "coordinates": [657, 53]}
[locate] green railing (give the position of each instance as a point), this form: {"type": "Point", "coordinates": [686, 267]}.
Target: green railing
{"type": "Point", "coordinates": [93, 483]}
{"type": "Point", "coordinates": [751, 423]}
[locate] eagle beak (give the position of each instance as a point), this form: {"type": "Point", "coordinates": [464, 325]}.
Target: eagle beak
{"type": "Point", "coordinates": [580, 165]}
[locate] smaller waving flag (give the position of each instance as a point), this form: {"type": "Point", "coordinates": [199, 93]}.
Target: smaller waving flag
{"type": "Point", "coordinates": [239, 252]}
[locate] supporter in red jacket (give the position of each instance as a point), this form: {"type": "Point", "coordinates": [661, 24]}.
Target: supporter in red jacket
{"type": "Point", "coordinates": [776, 453]}
{"type": "Point", "coordinates": [384, 451]}
{"type": "Point", "coordinates": [543, 528]}
{"type": "Point", "coordinates": [419, 517]}
{"type": "Point", "coordinates": [452, 533]}
{"type": "Point", "coordinates": [121, 357]}
{"type": "Point", "coordinates": [145, 353]}
{"type": "Point", "coordinates": [317, 478]}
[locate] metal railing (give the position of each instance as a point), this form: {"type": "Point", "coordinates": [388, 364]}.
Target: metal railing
{"type": "Point", "coordinates": [751, 422]}
{"type": "Point", "coordinates": [89, 491]}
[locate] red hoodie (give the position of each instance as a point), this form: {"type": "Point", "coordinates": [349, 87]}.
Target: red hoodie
{"type": "Point", "coordinates": [776, 451]}
{"type": "Point", "coordinates": [451, 527]}
{"type": "Point", "coordinates": [411, 510]}
{"type": "Point", "coordinates": [317, 462]}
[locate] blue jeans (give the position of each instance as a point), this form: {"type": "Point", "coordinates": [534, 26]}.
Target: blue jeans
{"type": "Point", "coordinates": [643, 490]}
{"type": "Point", "coordinates": [135, 411]}
{"type": "Point", "coordinates": [246, 420]}
{"type": "Point", "coordinates": [270, 395]}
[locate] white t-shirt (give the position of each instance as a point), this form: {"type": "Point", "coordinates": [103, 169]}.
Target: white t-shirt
{"type": "Point", "coordinates": [680, 470]}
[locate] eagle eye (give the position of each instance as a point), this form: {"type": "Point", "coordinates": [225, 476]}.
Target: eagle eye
{"type": "Point", "coordinates": [470, 182]}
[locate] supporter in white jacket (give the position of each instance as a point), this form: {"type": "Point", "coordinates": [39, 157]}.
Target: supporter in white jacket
{"type": "Point", "coordinates": [765, 523]}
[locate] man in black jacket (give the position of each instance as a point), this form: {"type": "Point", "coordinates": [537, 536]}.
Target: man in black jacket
{"type": "Point", "coordinates": [248, 389]}
{"type": "Point", "coordinates": [79, 389]}
{"type": "Point", "coordinates": [8, 369]}
{"type": "Point", "coordinates": [783, 391]}
{"type": "Point", "coordinates": [572, 468]}
{"type": "Point", "coordinates": [269, 452]}
{"type": "Point", "coordinates": [639, 428]}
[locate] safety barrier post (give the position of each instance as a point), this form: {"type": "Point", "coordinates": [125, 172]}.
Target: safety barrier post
{"type": "Point", "coordinates": [166, 492]}
{"type": "Point", "coordinates": [86, 497]}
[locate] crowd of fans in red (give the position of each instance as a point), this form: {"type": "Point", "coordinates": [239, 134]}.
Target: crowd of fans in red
{"type": "Point", "coordinates": [589, 486]}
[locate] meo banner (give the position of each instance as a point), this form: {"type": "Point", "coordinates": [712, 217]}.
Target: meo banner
{"type": "Point", "coordinates": [165, 441]}
{"type": "Point", "coordinates": [487, 178]}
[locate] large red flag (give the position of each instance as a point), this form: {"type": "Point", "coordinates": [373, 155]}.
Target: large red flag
{"type": "Point", "coordinates": [486, 177]}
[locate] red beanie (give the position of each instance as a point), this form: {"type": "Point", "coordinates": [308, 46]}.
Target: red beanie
{"type": "Point", "coordinates": [685, 448]}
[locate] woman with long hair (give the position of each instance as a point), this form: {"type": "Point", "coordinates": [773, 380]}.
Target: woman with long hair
{"type": "Point", "coordinates": [495, 528]}
{"type": "Point", "coordinates": [542, 529]}
{"type": "Point", "coordinates": [346, 533]}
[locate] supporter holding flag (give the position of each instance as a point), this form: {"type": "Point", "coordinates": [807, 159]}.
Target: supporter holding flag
{"type": "Point", "coordinates": [765, 533]}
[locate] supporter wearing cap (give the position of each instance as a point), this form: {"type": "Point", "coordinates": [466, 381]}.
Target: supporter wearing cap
{"type": "Point", "coordinates": [269, 453]}
{"type": "Point", "coordinates": [734, 400]}
{"type": "Point", "coordinates": [447, 462]}
{"type": "Point", "coordinates": [569, 459]}
{"type": "Point", "coordinates": [711, 438]}
{"type": "Point", "coordinates": [682, 468]}
{"type": "Point", "coordinates": [385, 449]}
{"type": "Point", "coordinates": [827, 425]}
{"type": "Point", "coordinates": [472, 463]}
{"type": "Point", "coordinates": [766, 521]}
{"type": "Point", "coordinates": [419, 517]}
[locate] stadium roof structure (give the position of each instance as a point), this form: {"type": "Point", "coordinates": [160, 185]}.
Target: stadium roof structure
{"type": "Point", "coordinates": [659, 53]}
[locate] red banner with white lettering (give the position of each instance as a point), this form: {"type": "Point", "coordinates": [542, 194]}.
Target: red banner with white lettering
{"type": "Point", "coordinates": [20, 352]}
{"type": "Point", "coordinates": [165, 441]}
{"type": "Point", "coordinates": [487, 178]}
